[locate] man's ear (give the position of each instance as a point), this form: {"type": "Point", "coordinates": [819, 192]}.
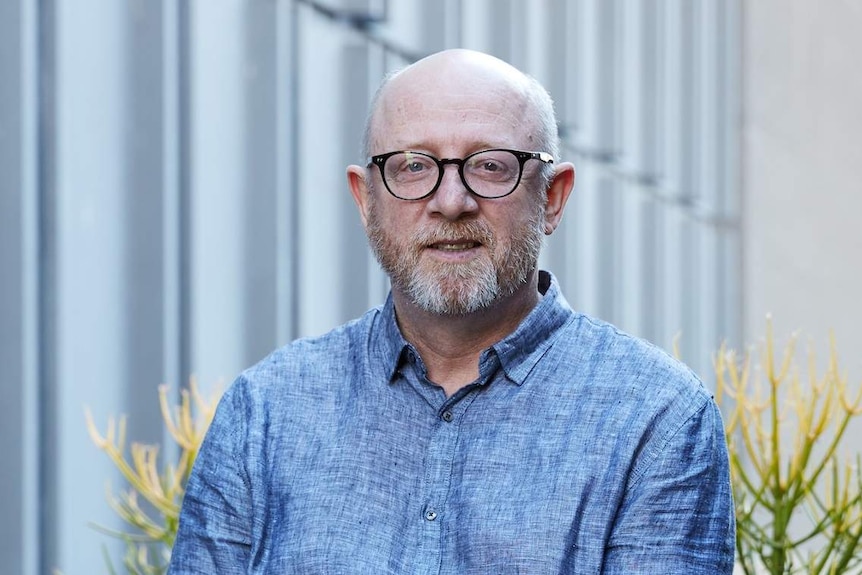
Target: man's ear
{"type": "Point", "coordinates": [359, 190]}
{"type": "Point", "coordinates": [558, 194]}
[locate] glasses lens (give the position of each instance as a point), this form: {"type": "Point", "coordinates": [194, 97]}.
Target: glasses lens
{"type": "Point", "coordinates": [410, 175]}
{"type": "Point", "coordinates": [492, 173]}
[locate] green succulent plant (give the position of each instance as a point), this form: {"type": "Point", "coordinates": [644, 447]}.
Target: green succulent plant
{"type": "Point", "coordinates": [798, 503]}
{"type": "Point", "coordinates": [153, 526]}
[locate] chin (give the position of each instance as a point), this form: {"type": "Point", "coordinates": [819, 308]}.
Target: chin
{"type": "Point", "coordinates": [453, 296]}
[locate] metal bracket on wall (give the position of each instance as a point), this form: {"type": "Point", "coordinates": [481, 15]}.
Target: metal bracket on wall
{"type": "Point", "coordinates": [366, 22]}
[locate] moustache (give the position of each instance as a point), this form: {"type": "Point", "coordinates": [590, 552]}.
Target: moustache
{"type": "Point", "coordinates": [473, 231]}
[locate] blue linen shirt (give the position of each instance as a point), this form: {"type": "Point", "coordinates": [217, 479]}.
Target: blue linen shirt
{"type": "Point", "coordinates": [579, 449]}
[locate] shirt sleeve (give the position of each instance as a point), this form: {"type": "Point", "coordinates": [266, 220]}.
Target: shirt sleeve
{"type": "Point", "coordinates": [215, 529]}
{"type": "Point", "coordinates": [677, 517]}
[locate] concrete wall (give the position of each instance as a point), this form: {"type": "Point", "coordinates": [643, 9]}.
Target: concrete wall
{"type": "Point", "coordinates": [802, 172]}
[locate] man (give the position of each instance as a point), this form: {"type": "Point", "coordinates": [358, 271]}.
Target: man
{"type": "Point", "coordinates": [475, 423]}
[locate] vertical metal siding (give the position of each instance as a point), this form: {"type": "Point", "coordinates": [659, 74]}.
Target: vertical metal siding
{"type": "Point", "coordinates": [187, 209]}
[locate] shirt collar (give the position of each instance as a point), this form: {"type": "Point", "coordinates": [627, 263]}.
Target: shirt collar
{"type": "Point", "coordinates": [518, 352]}
{"type": "Point", "coordinates": [390, 342]}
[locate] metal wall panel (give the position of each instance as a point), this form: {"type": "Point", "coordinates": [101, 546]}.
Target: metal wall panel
{"type": "Point", "coordinates": [583, 232]}
{"type": "Point", "coordinates": [19, 441]}
{"type": "Point", "coordinates": [259, 197]}
{"type": "Point", "coordinates": [633, 261]}
{"type": "Point", "coordinates": [174, 202]}
{"type": "Point", "coordinates": [354, 295]}
{"type": "Point", "coordinates": [598, 117]}
{"type": "Point", "coordinates": [218, 167]}
{"type": "Point", "coordinates": [322, 190]}
{"type": "Point", "coordinates": [12, 319]}
{"type": "Point", "coordinates": [675, 73]}
{"type": "Point", "coordinates": [639, 89]}
{"type": "Point", "coordinates": [144, 226]}
{"type": "Point", "coordinates": [91, 324]}
{"type": "Point", "coordinates": [534, 30]}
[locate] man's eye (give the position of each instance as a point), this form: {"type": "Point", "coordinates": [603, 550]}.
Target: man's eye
{"type": "Point", "coordinates": [414, 167]}
{"type": "Point", "coordinates": [488, 167]}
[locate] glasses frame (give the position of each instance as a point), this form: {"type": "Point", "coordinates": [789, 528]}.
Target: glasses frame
{"type": "Point", "coordinates": [522, 156]}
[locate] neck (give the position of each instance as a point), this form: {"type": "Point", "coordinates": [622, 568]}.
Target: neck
{"type": "Point", "coordinates": [450, 345]}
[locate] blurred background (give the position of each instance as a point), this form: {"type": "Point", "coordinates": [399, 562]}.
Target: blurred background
{"type": "Point", "coordinates": [173, 200]}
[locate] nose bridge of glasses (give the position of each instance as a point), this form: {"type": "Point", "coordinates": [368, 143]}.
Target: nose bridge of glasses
{"type": "Point", "coordinates": [459, 164]}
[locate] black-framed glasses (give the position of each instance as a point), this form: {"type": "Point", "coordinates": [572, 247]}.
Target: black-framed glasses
{"type": "Point", "coordinates": [488, 174]}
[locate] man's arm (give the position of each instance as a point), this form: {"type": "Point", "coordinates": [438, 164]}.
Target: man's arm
{"type": "Point", "coordinates": [215, 521]}
{"type": "Point", "coordinates": [678, 516]}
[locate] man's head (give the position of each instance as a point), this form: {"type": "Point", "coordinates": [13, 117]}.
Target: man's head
{"type": "Point", "coordinates": [457, 251]}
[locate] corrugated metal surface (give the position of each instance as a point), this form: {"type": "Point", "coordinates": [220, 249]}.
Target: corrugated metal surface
{"type": "Point", "coordinates": [174, 200]}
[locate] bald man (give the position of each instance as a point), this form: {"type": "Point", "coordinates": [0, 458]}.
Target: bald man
{"type": "Point", "coordinates": [473, 423]}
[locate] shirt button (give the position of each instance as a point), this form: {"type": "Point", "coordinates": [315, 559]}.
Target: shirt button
{"type": "Point", "coordinates": [447, 416]}
{"type": "Point", "coordinates": [430, 515]}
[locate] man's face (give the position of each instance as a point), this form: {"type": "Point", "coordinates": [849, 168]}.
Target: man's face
{"type": "Point", "coordinates": [455, 253]}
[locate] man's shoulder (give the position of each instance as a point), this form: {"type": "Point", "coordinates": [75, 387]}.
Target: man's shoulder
{"type": "Point", "coordinates": [616, 358]}
{"type": "Point", "coordinates": [338, 339]}
{"type": "Point", "coordinates": [316, 358]}
{"type": "Point", "coordinates": [625, 382]}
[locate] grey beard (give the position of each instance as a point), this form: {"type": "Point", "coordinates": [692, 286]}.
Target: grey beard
{"type": "Point", "coordinates": [458, 289]}
{"type": "Point", "coordinates": [461, 289]}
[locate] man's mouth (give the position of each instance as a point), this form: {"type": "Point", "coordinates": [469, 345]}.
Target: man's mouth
{"type": "Point", "coordinates": [455, 246]}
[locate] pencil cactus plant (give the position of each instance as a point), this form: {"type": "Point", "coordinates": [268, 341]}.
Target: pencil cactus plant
{"type": "Point", "coordinates": [154, 526]}
{"type": "Point", "coordinates": [798, 493]}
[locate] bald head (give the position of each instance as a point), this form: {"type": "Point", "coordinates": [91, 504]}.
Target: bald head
{"type": "Point", "coordinates": [463, 82]}
{"type": "Point", "coordinates": [459, 67]}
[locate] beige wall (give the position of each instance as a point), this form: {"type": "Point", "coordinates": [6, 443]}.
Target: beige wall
{"type": "Point", "coordinates": [802, 171]}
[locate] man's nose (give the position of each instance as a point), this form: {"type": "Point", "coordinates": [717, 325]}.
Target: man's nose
{"type": "Point", "coordinates": [452, 200]}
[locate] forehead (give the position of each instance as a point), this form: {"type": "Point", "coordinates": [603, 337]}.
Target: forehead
{"type": "Point", "coordinates": [452, 109]}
